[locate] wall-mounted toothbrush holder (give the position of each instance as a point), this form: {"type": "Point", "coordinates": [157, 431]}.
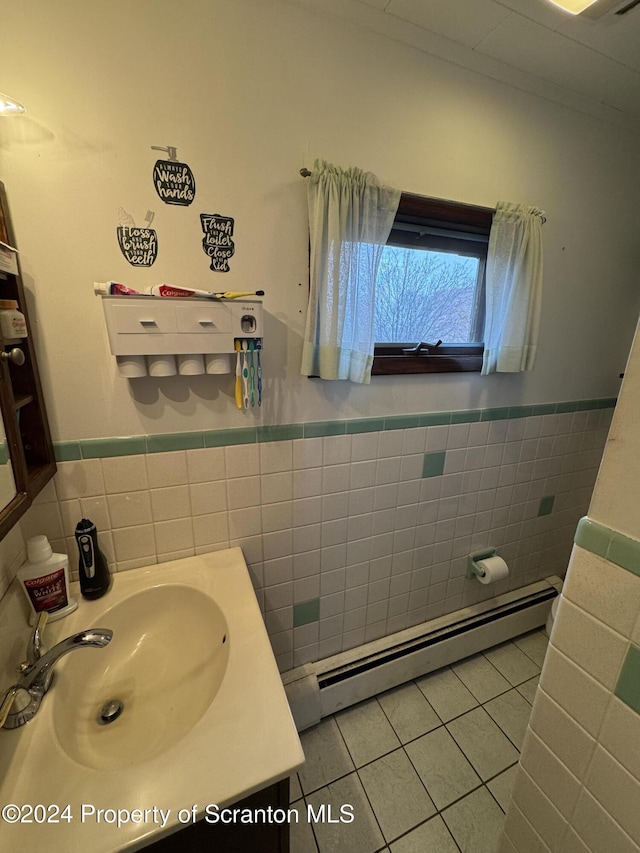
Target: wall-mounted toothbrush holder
{"type": "Point", "coordinates": [164, 336]}
{"type": "Point", "coordinates": [473, 569]}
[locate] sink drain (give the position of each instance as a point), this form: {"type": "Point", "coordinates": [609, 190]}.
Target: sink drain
{"type": "Point", "coordinates": [110, 711]}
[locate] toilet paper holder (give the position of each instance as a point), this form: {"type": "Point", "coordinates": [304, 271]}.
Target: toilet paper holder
{"type": "Point", "coordinates": [473, 569]}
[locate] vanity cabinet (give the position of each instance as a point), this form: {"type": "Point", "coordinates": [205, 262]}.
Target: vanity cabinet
{"type": "Point", "coordinates": [202, 837]}
{"type": "Point", "coordinates": [26, 427]}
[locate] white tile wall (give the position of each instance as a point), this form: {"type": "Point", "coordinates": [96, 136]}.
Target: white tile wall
{"type": "Point", "coordinates": [582, 745]}
{"type": "Point", "coordinates": [348, 519]}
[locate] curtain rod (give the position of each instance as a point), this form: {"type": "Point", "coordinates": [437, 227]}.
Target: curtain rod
{"type": "Point", "coordinates": [307, 174]}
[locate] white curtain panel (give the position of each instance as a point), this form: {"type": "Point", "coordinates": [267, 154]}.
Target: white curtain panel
{"type": "Point", "coordinates": [350, 218]}
{"type": "Point", "coordinates": [514, 289]}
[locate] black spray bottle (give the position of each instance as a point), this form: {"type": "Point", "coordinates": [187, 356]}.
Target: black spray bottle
{"type": "Point", "coordinates": [95, 578]}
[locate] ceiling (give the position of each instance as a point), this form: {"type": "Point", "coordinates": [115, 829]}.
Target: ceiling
{"type": "Point", "coordinates": [591, 65]}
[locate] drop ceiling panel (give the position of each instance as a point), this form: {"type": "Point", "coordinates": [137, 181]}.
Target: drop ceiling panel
{"type": "Point", "coordinates": [523, 44]}
{"type": "Point", "coordinates": [541, 11]}
{"type": "Point", "coordinates": [464, 21]}
{"type": "Point", "coordinates": [616, 36]}
{"type": "Point", "coordinates": [377, 4]}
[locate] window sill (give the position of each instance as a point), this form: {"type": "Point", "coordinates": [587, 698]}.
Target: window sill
{"type": "Point", "coordinates": [446, 360]}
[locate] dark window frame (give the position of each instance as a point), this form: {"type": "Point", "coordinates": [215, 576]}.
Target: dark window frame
{"type": "Point", "coordinates": [444, 216]}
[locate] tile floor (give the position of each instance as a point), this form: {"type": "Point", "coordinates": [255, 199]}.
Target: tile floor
{"type": "Point", "coordinates": [428, 766]}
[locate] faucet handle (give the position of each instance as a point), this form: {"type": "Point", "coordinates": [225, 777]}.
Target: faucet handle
{"type": "Point", "coordinates": [9, 716]}
{"type": "Point", "coordinates": [35, 645]}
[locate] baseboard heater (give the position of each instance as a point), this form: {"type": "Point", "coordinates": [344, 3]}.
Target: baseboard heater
{"type": "Point", "coordinates": [319, 689]}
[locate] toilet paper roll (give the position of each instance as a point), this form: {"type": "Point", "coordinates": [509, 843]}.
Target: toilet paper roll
{"type": "Point", "coordinates": [495, 569]}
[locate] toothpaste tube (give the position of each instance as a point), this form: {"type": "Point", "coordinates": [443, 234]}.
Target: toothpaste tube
{"type": "Point", "coordinates": [172, 290]}
{"type": "Point", "coordinates": [114, 288]}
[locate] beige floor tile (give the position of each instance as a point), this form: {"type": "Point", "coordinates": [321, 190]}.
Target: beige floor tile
{"type": "Point", "coordinates": [367, 732]}
{"type": "Point", "coordinates": [482, 742]}
{"type": "Point", "coordinates": [481, 677]}
{"type": "Point", "coordinates": [511, 712]}
{"type": "Point", "coordinates": [408, 711]}
{"type": "Point", "coordinates": [512, 663]}
{"type": "Point", "coordinates": [301, 837]}
{"type": "Point", "coordinates": [446, 694]}
{"type": "Point", "coordinates": [362, 834]}
{"type": "Point", "coordinates": [431, 837]}
{"type": "Point", "coordinates": [534, 645]}
{"type": "Point", "coordinates": [446, 773]}
{"type": "Point", "coordinates": [396, 794]}
{"type": "Point", "coordinates": [475, 822]}
{"type": "Point", "coordinates": [528, 689]}
{"type": "Point", "coordinates": [502, 786]}
{"type": "Point", "coordinates": [327, 757]}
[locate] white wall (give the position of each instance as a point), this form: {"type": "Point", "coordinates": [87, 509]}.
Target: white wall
{"type": "Point", "coordinates": [249, 92]}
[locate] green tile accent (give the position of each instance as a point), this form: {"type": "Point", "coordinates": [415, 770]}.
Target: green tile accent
{"type": "Point", "coordinates": [224, 437]}
{"type": "Point", "coordinates": [402, 422]}
{"type": "Point", "coordinates": [284, 432]}
{"type": "Point", "coordinates": [318, 428]}
{"type": "Point", "coordinates": [174, 441]}
{"type": "Point", "coordinates": [568, 406]}
{"type": "Point", "coordinates": [433, 464]}
{"type": "Point", "coordinates": [586, 405]}
{"type": "Point", "coordinates": [364, 425]}
{"type": "Point", "coordinates": [67, 451]}
{"type": "Point", "coordinates": [499, 414]}
{"type": "Point", "coordinates": [520, 411]}
{"type": "Point", "coordinates": [624, 552]}
{"type": "Point", "coordinates": [305, 612]}
{"type": "Point", "coordinates": [546, 505]}
{"type": "Point", "coordinates": [628, 686]}
{"type": "Point", "coordinates": [128, 445]}
{"type": "Point", "coordinates": [592, 536]}
{"type": "Point", "coordinates": [4, 452]}
{"type": "Point", "coordinates": [543, 409]}
{"type": "Point", "coordinates": [435, 419]}
{"type": "Point", "coordinates": [94, 448]}
{"type": "Point", "coordinates": [466, 417]}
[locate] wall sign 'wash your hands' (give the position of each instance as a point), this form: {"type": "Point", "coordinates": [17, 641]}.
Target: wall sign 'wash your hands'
{"type": "Point", "coordinates": [174, 181]}
{"type": "Point", "coordinates": [138, 245]}
{"type": "Point", "coordinates": [217, 242]}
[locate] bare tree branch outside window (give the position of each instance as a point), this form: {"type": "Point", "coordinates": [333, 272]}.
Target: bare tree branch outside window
{"type": "Point", "coordinates": [422, 295]}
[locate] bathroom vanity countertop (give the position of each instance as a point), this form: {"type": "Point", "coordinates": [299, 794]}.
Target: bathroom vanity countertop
{"type": "Point", "coordinates": [245, 739]}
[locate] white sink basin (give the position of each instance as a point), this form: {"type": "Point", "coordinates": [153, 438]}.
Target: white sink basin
{"type": "Point", "coordinates": [205, 719]}
{"type": "Point", "coordinates": [165, 664]}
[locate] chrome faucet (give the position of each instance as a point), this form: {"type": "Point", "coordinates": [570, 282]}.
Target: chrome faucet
{"type": "Point", "coordinates": [22, 701]}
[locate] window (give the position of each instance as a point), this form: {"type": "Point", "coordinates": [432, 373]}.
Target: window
{"type": "Point", "coordinates": [430, 288]}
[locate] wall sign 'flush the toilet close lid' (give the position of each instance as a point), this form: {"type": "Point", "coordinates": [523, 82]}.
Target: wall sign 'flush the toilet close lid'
{"type": "Point", "coordinates": [173, 181]}
{"type": "Point", "coordinates": [217, 242]}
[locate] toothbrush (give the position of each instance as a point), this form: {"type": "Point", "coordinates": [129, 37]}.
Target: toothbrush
{"type": "Point", "coordinates": [238, 376]}
{"type": "Point", "coordinates": [245, 375]}
{"type": "Point", "coordinates": [252, 373]}
{"type": "Point", "coordinates": [258, 350]}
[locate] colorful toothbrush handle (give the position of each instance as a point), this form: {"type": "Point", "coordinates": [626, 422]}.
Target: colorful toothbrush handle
{"type": "Point", "coordinates": [252, 374]}
{"type": "Point", "coordinates": [259, 348]}
{"type": "Point", "coordinates": [245, 376]}
{"type": "Point", "coordinates": [238, 376]}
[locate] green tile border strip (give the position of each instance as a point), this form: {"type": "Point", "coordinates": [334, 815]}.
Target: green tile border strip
{"type": "Point", "coordinates": [94, 448]}
{"type": "Point", "coordinates": [608, 543]}
{"type": "Point", "coordinates": [628, 687]}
